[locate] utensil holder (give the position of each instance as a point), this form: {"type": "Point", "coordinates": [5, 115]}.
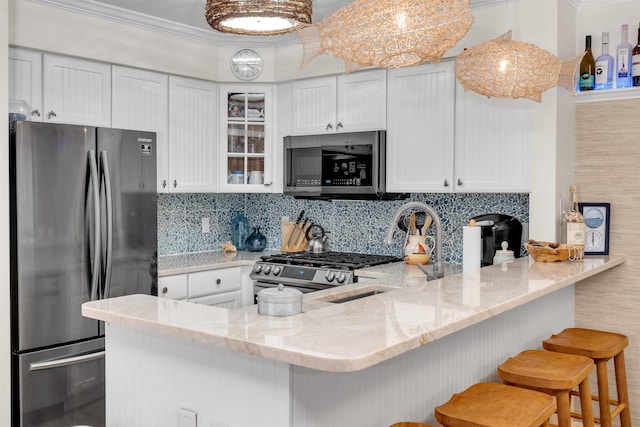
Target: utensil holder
{"type": "Point", "coordinates": [298, 242]}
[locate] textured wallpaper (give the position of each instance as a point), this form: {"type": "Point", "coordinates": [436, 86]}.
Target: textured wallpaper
{"type": "Point", "coordinates": [354, 226]}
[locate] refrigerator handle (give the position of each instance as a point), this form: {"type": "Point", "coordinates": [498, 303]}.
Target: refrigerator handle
{"type": "Point", "coordinates": [95, 266]}
{"type": "Point", "coordinates": [67, 361]}
{"type": "Point", "coordinates": [106, 179]}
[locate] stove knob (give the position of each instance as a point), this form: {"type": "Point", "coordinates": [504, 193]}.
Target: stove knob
{"type": "Point", "coordinates": [341, 278]}
{"type": "Point", "coordinates": [330, 275]}
{"type": "Point", "coordinates": [276, 270]}
{"type": "Point", "coordinates": [267, 269]}
{"type": "Point", "coordinates": [257, 268]}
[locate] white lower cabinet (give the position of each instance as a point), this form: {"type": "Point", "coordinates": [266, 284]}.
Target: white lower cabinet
{"type": "Point", "coordinates": [173, 287]}
{"type": "Point", "coordinates": [225, 287]}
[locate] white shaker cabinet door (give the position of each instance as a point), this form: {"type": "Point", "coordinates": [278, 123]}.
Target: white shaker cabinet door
{"type": "Point", "coordinates": [314, 106]}
{"type": "Point", "coordinates": [25, 79]}
{"type": "Point", "coordinates": [192, 135]}
{"type": "Point", "coordinates": [76, 91]}
{"type": "Point", "coordinates": [362, 101]}
{"type": "Point", "coordinates": [493, 144]}
{"type": "Point", "coordinates": [420, 114]}
{"type": "Point", "coordinates": [141, 102]}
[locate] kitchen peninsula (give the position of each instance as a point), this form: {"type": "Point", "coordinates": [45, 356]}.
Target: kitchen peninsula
{"type": "Point", "coordinates": [371, 361]}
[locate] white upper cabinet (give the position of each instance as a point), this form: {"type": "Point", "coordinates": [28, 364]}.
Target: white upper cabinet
{"type": "Point", "coordinates": [420, 128]}
{"type": "Point", "coordinates": [76, 91]}
{"type": "Point", "coordinates": [246, 139]}
{"type": "Point", "coordinates": [25, 79]}
{"type": "Point", "coordinates": [141, 102]}
{"type": "Point", "coordinates": [192, 135]}
{"type": "Point", "coordinates": [345, 103]}
{"type": "Point", "coordinates": [493, 144]}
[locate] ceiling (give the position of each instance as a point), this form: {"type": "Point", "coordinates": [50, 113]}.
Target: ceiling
{"type": "Point", "coordinates": [186, 17]}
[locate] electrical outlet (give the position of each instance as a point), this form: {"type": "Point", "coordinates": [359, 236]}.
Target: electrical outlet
{"type": "Point", "coordinates": [205, 225]}
{"type": "Point", "coordinates": [284, 219]}
{"type": "Point", "coordinates": [187, 418]}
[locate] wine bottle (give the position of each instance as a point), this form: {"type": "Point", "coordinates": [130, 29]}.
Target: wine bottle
{"type": "Point", "coordinates": [623, 59]}
{"type": "Point", "coordinates": [587, 68]}
{"type": "Point", "coordinates": [604, 65]}
{"type": "Point", "coordinates": [635, 62]}
{"type": "Point", "coordinates": [573, 227]}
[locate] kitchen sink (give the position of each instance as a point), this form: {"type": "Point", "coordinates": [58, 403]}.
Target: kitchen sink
{"type": "Point", "coordinates": [354, 294]}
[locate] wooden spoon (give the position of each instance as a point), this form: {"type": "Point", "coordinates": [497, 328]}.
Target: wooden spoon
{"type": "Point", "coordinates": [426, 225]}
{"type": "Point", "coordinates": [412, 224]}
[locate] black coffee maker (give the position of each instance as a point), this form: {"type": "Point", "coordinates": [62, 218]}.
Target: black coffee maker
{"type": "Point", "coordinates": [495, 229]}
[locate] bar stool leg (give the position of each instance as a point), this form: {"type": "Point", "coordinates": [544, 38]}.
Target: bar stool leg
{"type": "Point", "coordinates": [585, 403]}
{"type": "Point", "coordinates": [603, 392]}
{"type": "Point", "coordinates": [621, 387]}
{"type": "Point", "coordinates": [563, 399]}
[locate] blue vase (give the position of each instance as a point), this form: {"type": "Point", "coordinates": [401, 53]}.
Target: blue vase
{"type": "Point", "coordinates": [256, 241]}
{"type": "Point", "coordinates": [239, 231]}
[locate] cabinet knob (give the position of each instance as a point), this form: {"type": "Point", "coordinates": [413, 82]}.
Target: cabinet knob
{"type": "Point", "coordinates": [165, 290]}
{"type": "Point", "coordinates": [164, 183]}
{"type": "Point", "coordinates": [339, 126]}
{"type": "Point", "coordinates": [175, 183]}
{"type": "Point", "coordinates": [459, 182]}
{"type": "Point", "coordinates": [329, 127]}
{"type": "Point", "coordinates": [218, 281]}
{"type": "Point", "coordinates": [36, 113]}
{"type": "Point", "coordinates": [446, 183]}
{"type": "Point", "coordinates": [51, 115]}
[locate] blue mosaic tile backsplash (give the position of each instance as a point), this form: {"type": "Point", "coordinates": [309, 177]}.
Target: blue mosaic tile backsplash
{"type": "Point", "coordinates": [355, 226]}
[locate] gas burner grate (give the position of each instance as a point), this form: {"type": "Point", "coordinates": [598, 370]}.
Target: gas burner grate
{"type": "Point", "coordinates": [343, 260]}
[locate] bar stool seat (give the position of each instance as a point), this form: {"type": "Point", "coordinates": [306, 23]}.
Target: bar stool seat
{"type": "Point", "coordinates": [600, 346]}
{"type": "Point", "coordinates": [555, 374]}
{"type": "Point", "coordinates": [496, 405]}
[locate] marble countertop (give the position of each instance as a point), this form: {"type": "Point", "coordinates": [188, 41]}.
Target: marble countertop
{"type": "Point", "coordinates": [358, 334]}
{"type": "Point", "coordinates": [169, 265]}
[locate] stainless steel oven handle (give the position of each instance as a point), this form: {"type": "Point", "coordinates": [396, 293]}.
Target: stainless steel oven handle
{"type": "Point", "coordinates": [67, 361]}
{"type": "Point", "coordinates": [93, 169]}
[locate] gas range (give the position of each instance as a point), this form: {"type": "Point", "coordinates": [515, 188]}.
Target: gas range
{"type": "Point", "coordinates": [313, 271]}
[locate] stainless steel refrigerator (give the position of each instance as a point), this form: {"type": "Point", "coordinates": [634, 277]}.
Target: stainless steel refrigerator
{"type": "Point", "coordinates": [83, 227]}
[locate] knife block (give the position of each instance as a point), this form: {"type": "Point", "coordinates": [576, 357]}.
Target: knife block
{"type": "Point", "coordinates": [299, 235]}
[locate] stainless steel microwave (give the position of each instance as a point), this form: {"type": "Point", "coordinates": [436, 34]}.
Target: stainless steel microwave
{"type": "Point", "coordinates": [337, 166]}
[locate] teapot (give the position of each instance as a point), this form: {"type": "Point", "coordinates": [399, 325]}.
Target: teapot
{"type": "Point", "coordinates": [317, 243]}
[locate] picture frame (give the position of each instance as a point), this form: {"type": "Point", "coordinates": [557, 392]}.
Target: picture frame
{"type": "Point", "coordinates": [597, 217]}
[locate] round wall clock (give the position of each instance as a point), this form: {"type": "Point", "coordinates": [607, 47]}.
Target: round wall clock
{"type": "Point", "coordinates": [246, 64]}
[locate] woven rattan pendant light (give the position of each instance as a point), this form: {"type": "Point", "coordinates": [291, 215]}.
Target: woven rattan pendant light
{"type": "Point", "coordinates": [257, 17]}
{"type": "Point", "coordinates": [388, 33]}
{"type": "Point", "coordinates": [505, 68]}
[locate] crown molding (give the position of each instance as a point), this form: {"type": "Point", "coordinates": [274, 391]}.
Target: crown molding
{"type": "Point", "coordinates": [130, 17]}
{"type": "Point", "coordinates": [137, 19]}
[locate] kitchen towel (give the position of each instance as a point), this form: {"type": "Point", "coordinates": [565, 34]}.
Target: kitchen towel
{"type": "Point", "coordinates": [471, 248]}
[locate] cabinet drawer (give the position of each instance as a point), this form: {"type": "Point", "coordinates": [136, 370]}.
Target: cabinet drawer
{"type": "Point", "coordinates": [174, 287]}
{"type": "Point", "coordinates": [229, 300]}
{"type": "Point", "coordinates": [214, 281]}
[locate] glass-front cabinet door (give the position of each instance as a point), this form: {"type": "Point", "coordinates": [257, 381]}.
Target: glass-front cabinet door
{"type": "Point", "coordinates": [246, 142]}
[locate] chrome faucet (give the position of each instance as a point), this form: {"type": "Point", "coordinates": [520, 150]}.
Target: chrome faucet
{"type": "Point", "coordinates": [438, 269]}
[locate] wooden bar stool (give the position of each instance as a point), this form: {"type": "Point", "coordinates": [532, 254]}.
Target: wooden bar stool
{"type": "Point", "coordinates": [553, 373]}
{"type": "Point", "coordinates": [600, 346]}
{"type": "Point", "coordinates": [496, 405]}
